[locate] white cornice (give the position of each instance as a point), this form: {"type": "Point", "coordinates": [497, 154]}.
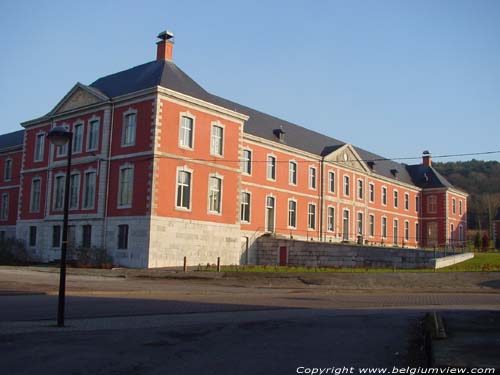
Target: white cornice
{"type": "Point", "coordinates": [279, 147]}
{"type": "Point", "coordinates": [201, 103]}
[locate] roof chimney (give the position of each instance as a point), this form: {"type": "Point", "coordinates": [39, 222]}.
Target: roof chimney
{"type": "Point", "coordinates": [426, 159]}
{"type": "Point", "coordinates": [165, 46]}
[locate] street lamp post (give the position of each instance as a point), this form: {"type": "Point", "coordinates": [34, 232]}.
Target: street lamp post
{"type": "Point", "coordinates": [59, 136]}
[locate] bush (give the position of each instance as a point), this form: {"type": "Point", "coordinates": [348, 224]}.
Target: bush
{"type": "Point", "coordinates": [13, 252]}
{"type": "Point", "coordinates": [95, 257]}
{"type": "Point", "coordinates": [485, 242]}
{"type": "Point", "coordinates": [477, 241]}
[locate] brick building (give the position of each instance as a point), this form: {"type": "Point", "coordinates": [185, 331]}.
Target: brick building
{"type": "Point", "coordinates": [163, 169]}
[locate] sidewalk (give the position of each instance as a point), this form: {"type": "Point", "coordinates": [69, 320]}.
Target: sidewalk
{"type": "Point", "coordinates": [444, 282]}
{"type": "Point", "coordinates": [473, 340]}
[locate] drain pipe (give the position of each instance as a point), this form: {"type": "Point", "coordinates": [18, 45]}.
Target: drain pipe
{"type": "Point", "coordinates": [106, 198]}
{"type": "Point", "coordinates": [321, 197]}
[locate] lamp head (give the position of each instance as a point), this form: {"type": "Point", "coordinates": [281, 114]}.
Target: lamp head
{"type": "Point", "coordinates": [59, 135]}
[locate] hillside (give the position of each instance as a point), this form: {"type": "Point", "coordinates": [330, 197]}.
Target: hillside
{"type": "Point", "coordinates": [481, 179]}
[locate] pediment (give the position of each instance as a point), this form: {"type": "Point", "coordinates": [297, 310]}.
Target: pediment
{"type": "Point", "coordinates": [347, 157]}
{"type": "Point", "coordinates": [79, 96]}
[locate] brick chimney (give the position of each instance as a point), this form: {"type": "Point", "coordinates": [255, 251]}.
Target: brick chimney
{"type": "Point", "coordinates": [426, 159]}
{"type": "Point", "coordinates": [165, 46]}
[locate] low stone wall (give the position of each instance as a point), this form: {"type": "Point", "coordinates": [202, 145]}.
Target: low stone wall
{"type": "Point", "coordinates": [321, 254]}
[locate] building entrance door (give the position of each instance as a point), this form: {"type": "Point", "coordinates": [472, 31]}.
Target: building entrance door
{"type": "Point", "coordinates": [283, 256]}
{"type": "Point", "coordinates": [432, 237]}
{"type": "Point", "coordinates": [345, 226]}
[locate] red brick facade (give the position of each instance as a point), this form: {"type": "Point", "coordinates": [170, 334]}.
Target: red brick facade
{"type": "Point", "coordinates": [168, 170]}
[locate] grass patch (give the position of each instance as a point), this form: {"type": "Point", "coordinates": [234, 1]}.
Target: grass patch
{"type": "Point", "coordinates": [482, 262]}
{"type": "Point", "coordinates": [486, 262]}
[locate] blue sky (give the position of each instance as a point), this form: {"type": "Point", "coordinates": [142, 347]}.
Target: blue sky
{"type": "Point", "coordinates": [393, 77]}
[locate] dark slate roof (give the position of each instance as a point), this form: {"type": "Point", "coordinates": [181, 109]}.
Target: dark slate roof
{"type": "Point", "coordinates": [12, 139]}
{"type": "Point", "coordinates": [167, 74]}
{"type": "Point", "coordinates": [427, 177]}
{"type": "Point", "coordinates": [151, 74]}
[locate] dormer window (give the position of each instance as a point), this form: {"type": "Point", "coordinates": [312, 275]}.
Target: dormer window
{"type": "Point", "coordinates": [394, 172]}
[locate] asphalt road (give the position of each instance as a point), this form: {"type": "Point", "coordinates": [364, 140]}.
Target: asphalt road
{"type": "Point", "coordinates": [130, 326]}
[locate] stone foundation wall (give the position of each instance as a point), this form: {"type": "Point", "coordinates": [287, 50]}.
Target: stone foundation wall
{"type": "Point", "coordinates": [137, 252]}
{"type": "Point", "coordinates": [321, 254]}
{"type": "Point", "coordinates": [201, 242]}
{"type": "Point", "coordinates": [43, 250]}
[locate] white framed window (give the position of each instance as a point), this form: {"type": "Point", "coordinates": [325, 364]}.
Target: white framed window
{"type": "Point", "coordinates": [217, 140]}
{"type": "Point", "coordinates": [271, 167]}
{"type": "Point", "coordinates": [396, 198]}
{"type": "Point", "coordinates": [214, 194]}
{"type": "Point", "coordinates": [186, 131]}
{"type": "Point", "coordinates": [59, 182]}
{"type": "Point", "coordinates": [347, 185]}
{"type": "Point", "coordinates": [4, 209]}
{"type": "Point", "coordinates": [384, 227]}
{"type": "Point", "coordinates": [453, 206]}
{"type": "Point", "coordinates": [417, 232]}
{"type": "Point", "coordinates": [93, 134]}
{"type": "Point", "coordinates": [396, 231]}
{"type": "Point", "coordinates": [183, 193]}
{"type": "Point", "coordinates": [407, 201]}
{"type": "Point", "coordinates": [246, 163]}
{"type": "Point", "coordinates": [371, 225]}
{"type": "Point", "coordinates": [123, 237]}
{"type": "Point", "coordinates": [125, 186]}
{"type": "Point", "coordinates": [384, 195]}
{"type": "Point", "coordinates": [331, 182]}
{"type": "Point", "coordinates": [312, 178]}
{"type": "Point", "coordinates": [371, 191]}
{"type": "Point", "coordinates": [417, 203]}
{"type": "Point", "coordinates": [330, 219]}
{"type": "Point", "coordinates": [129, 128]}
{"type": "Point", "coordinates": [87, 236]}
{"type": "Point", "coordinates": [292, 173]}
{"type": "Point", "coordinates": [32, 236]}
{"type": "Point", "coordinates": [246, 204]}
{"type": "Point", "coordinates": [407, 231]}
{"type": "Point", "coordinates": [461, 233]}
{"type": "Point", "coordinates": [89, 183]}
{"type": "Point", "coordinates": [360, 224]}
{"type": "Point", "coordinates": [452, 233]}
{"type": "Point", "coordinates": [36, 193]}
{"type": "Point", "coordinates": [270, 213]}
{"type": "Point", "coordinates": [62, 150]}
{"type": "Point", "coordinates": [460, 207]}
{"type": "Point", "coordinates": [39, 146]}
{"type": "Point", "coordinates": [7, 170]}
{"type": "Point", "coordinates": [360, 189]}
{"type": "Point", "coordinates": [432, 204]}
{"type": "Point", "coordinates": [292, 213]}
{"type": "Point", "coordinates": [311, 216]}
{"type": "Point", "coordinates": [77, 138]}
{"type": "Point", "coordinates": [56, 236]}
{"type": "Point", "coordinates": [74, 191]}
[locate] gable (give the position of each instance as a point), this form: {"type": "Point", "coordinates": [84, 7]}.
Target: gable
{"type": "Point", "coordinates": [348, 157]}
{"type": "Point", "coordinates": [79, 96]}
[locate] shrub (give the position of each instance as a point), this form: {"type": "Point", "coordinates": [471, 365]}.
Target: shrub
{"type": "Point", "coordinates": [95, 257]}
{"type": "Point", "coordinates": [485, 241]}
{"type": "Point", "coordinates": [477, 241]}
{"type": "Point", "coordinates": [13, 252]}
